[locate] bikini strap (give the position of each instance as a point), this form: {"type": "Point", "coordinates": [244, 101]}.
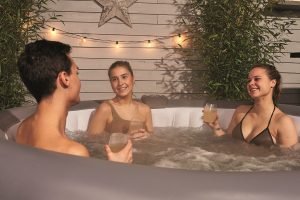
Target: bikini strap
{"type": "Point", "coordinates": [271, 116]}
{"type": "Point", "coordinates": [114, 113]}
{"type": "Point", "coordinates": [246, 114]}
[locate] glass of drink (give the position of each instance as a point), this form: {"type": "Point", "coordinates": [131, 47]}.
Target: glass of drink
{"type": "Point", "coordinates": [134, 126]}
{"type": "Point", "coordinates": [209, 113]}
{"type": "Point", "coordinates": [117, 141]}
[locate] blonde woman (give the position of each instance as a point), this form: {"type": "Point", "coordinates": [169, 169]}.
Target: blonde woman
{"type": "Point", "coordinates": [122, 113]}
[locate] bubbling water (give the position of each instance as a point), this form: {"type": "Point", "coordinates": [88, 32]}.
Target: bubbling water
{"type": "Point", "coordinates": [198, 149]}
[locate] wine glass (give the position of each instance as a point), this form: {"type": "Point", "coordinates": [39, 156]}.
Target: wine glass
{"type": "Point", "coordinates": [117, 141]}
{"type": "Point", "coordinates": [209, 112]}
{"type": "Point", "coordinates": [134, 128]}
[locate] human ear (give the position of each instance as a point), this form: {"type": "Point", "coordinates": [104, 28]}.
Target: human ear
{"type": "Point", "coordinates": [63, 79]}
{"type": "Point", "coordinates": [273, 83]}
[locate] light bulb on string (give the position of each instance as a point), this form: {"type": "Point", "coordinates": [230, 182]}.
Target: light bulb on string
{"type": "Point", "coordinates": [179, 39]}
{"type": "Point", "coordinates": [149, 43]}
{"type": "Point", "coordinates": [53, 32]}
{"type": "Point", "coordinates": [82, 40]}
{"type": "Point", "coordinates": [56, 34]}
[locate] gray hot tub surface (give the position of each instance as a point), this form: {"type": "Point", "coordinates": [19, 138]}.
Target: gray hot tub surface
{"type": "Point", "coordinates": [33, 174]}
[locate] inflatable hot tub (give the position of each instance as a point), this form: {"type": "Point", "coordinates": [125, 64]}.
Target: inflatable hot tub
{"type": "Point", "coordinates": [33, 174]}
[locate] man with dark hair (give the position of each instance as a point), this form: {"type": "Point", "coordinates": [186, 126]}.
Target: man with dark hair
{"type": "Point", "coordinates": [51, 75]}
{"type": "Point", "coordinates": [40, 65]}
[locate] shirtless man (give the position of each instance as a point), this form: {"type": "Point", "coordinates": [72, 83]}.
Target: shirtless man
{"type": "Point", "coordinates": [51, 75]}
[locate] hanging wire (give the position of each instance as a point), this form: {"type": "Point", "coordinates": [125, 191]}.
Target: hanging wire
{"type": "Point", "coordinates": [80, 36]}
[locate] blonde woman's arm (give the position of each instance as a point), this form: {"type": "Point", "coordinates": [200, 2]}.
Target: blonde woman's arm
{"type": "Point", "coordinates": [148, 123]}
{"type": "Point", "coordinates": [99, 119]}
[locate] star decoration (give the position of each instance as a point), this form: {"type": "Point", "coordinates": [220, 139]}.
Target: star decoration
{"type": "Point", "coordinates": [115, 8]}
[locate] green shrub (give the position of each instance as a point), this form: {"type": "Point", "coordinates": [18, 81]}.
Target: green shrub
{"type": "Point", "coordinates": [229, 36]}
{"type": "Point", "coordinates": [20, 22]}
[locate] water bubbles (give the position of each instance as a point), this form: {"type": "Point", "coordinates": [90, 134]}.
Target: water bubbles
{"type": "Point", "coordinates": [198, 149]}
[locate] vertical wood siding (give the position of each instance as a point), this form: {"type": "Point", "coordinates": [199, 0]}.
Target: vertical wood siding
{"type": "Point", "coordinates": [157, 69]}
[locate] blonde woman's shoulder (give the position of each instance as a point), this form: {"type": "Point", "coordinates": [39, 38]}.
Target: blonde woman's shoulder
{"type": "Point", "coordinates": [104, 107]}
{"type": "Point", "coordinates": [142, 106]}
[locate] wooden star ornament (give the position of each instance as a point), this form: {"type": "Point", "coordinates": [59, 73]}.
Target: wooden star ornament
{"type": "Point", "coordinates": [115, 8]}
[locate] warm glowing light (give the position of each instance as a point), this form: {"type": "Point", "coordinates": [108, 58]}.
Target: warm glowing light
{"type": "Point", "coordinates": [27, 25]}
{"type": "Point", "coordinates": [149, 43]}
{"type": "Point", "coordinates": [179, 39]}
{"type": "Point", "coordinates": [82, 41]}
{"type": "Point", "coordinates": [53, 31]}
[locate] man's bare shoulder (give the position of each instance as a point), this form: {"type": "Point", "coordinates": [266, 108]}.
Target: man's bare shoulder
{"type": "Point", "coordinates": [28, 136]}
{"type": "Point", "coordinates": [23, 130]}
{"type": "Point", "coordinates": [75, 148]}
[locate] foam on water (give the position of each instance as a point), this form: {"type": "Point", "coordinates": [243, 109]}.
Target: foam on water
{"type": "Point", "coordinates": [198, 149]}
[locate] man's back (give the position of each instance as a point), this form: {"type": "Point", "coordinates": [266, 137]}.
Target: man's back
{"type": "Point", "coordinates": [35, 131]}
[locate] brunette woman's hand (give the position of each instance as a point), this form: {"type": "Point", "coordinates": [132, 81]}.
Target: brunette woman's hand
{"type": "Point", "coordinates": [215, 126]}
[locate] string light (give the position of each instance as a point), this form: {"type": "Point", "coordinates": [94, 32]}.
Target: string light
{"type": "Point", "coordinates": [53, 31]}
{"type": "Point", "coordinates": [83, 39]}
{"type": "Point", "coordinates": [149, 43]}
{"type": "Point", "coordinates": [179, 40]}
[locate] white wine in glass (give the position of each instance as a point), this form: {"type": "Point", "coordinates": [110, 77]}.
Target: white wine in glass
{"type": "Point", "coordinates": [209, 113]}
{"type": "Point", "coordinates": [135, 126]}
{"type": "Point", "coordinates": [117, 141]}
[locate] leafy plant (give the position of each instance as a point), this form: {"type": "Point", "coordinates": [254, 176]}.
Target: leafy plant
{"type": "Point", "coordinates": [229, 36]}
{"type": "Point", "coordinates": [20, 22]}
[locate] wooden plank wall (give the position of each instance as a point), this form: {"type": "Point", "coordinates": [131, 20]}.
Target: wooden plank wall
{"type": "Point", "coordinates": [158, 70]}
